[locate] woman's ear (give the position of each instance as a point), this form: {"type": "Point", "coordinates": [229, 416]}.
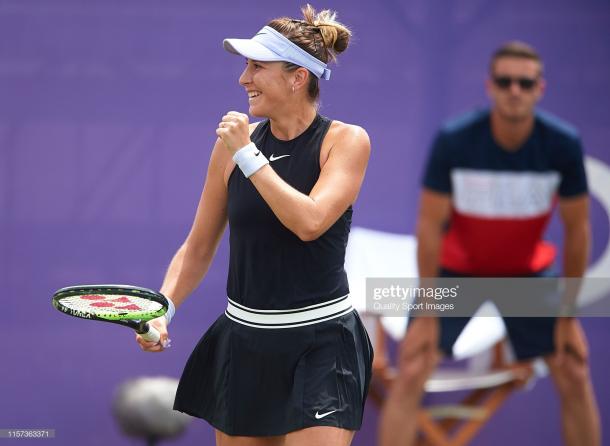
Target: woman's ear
{"type": "Point", "coordinates": [301, 78]}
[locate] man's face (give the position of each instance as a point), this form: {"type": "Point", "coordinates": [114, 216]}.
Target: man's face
{"type": "Point", "coordinates": [515, 86]}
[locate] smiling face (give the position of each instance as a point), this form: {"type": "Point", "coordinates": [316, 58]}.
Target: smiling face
{"type": "Point", "coordinates": [268, 86]}
{"type": "Point", "coordinates": [515, 87]}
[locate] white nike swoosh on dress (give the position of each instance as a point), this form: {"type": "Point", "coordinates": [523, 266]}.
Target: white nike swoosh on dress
{"type": "Point", "coordinates": [322, 415]}
{"type": "Point", "coordinates": [273, 157]}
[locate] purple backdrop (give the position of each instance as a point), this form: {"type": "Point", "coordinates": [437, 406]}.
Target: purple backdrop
{"type": "Point", "coordinates": [107, 118]}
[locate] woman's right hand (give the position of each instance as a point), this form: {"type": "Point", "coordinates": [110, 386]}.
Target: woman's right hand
{"type": "Point", "coordinates": [160, 324]}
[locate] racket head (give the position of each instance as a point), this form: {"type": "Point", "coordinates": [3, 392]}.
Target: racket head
{"type": "Point", "coordinates": [109, 302]}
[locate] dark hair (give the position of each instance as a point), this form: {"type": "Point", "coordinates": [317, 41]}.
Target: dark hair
{"type": "Point", "coordinates": [320, 34]}
{"type": "Point", "coordinates": [515, 49]}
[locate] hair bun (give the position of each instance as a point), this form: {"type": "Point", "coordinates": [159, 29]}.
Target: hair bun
{"type": "Point", "coordinates": [335, 35]}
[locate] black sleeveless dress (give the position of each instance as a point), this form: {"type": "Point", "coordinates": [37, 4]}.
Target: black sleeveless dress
{"type": "Point", "coordinates": [289, 352]}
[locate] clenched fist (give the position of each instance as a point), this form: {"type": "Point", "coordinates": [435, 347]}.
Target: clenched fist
{"type": "Point", "coordinates": [233, 129]}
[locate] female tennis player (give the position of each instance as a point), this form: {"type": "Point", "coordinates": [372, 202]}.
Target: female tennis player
{"type": "Point", "coordinates": [289, 361]}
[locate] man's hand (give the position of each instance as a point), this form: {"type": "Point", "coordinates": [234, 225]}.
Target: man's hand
{"type": "Point", "coordinates": [570, 341]}
{"type": "Point", "coordinates": [419, 354]}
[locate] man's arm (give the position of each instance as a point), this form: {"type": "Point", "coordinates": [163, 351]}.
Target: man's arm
{"type": "Point", "coordinates": [570, 340]}
{"type": "Point", "coordinates": [418, 354]}
{"type": "Point", "coordinates": [574, 213]}
{"type": "Point", "coordinates": [434, 211]}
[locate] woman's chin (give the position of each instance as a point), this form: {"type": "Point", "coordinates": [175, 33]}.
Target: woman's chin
{"type": "Point", "coordinates": [253, 110]}
{"type": "Point", "coordinates": [259, 108]}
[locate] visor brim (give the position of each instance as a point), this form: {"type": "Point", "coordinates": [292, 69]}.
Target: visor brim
{"type": "Point", "coordinates": [250, 49]}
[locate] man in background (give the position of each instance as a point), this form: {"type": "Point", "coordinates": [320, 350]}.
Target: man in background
{"type": "Point", "coordinates": [490, 185]}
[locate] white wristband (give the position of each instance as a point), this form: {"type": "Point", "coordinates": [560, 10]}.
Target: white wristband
{"type": "Point", "coordinates": [249, 159]}
{"type": "Point", "coordinates": [171, 310]}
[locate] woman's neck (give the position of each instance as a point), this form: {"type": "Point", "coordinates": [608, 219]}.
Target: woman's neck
{"type": "Point", "coordinates": [288, 125]}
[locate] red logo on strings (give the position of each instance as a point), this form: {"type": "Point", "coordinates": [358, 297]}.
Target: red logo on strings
{"type": "Point", "coordinates": [111, 302]}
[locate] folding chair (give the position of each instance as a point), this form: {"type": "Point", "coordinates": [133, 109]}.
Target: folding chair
{"type": "Point", "coordinates": [488, 377]}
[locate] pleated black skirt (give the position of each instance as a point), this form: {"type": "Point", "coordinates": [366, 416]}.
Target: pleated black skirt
{"type": "Point", "coordinates": [260, 382]}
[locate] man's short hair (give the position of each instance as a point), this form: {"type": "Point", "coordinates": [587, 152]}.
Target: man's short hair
{"type": "Point", "coordinates": [516, 49]}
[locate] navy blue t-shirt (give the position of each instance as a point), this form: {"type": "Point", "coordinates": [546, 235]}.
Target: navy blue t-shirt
{"type": "Point", "coordinates": [502, 200]}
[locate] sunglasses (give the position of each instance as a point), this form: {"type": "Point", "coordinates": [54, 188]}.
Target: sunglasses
{"type": "Point", "coordinates": [505, 82]}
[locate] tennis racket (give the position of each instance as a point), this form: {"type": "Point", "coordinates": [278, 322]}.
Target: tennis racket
{"type": "Point", "coordinates": [125, 305]}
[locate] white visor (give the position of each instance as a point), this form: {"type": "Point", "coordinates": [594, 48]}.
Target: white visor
{"type": "Point", "coordinates": [268, 45]}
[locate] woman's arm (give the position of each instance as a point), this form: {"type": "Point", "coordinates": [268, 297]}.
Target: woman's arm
{"type": "Point", "coordinates": [309, 216]}
{"type": "Point", "coordinates": [192, 260]}
{"type": "Point", "coordinates": [194, 257]}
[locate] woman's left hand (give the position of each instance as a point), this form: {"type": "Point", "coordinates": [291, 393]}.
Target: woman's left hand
{"type": "Point", "coordinates": [234, 131]}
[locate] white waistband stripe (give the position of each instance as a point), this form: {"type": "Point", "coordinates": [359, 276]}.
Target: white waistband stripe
{"type": "Point", "coordinates": [296, 317]}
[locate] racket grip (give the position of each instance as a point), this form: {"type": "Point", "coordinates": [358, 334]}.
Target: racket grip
{"type": "Point", "coordinates": [151, 334]}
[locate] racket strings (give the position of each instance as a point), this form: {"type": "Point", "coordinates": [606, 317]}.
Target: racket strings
{"type": "Point", "coordinates": [110, 304]}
